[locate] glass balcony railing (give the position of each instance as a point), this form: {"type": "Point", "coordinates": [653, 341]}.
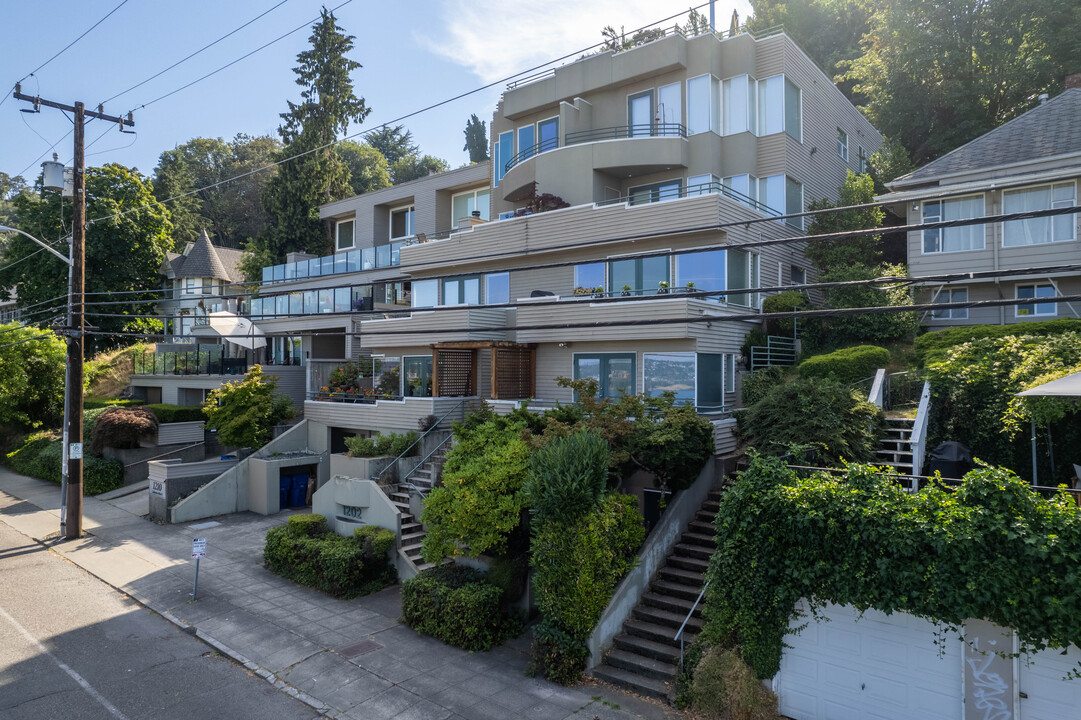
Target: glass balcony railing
{"type": "Point", "coordinates": [373, 258]}
{"type": "Point", "coordinates": [196, 362]}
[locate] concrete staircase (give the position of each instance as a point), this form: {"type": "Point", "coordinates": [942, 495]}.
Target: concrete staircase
{"type": "Point", "coordinates": [423, 478]}
{"type": "Point", "coordinates": [894, 450]}
{"type": "Point", "coordinates": [644, 657]}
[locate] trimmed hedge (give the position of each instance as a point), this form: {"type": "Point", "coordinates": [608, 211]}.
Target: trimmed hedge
{"type": "Point", "coordinates": [392, 444]}
{"type": "Point", "coordinates": [41, 457]}
{"type": "Point", "coordinates": [847, 365]}
{"type": "Point", "coordinates": [458, 606]}
{"type": "Point", "coordinates": [91, 403]}
{"type": "Point", "coordinates": [166, 413]}
{"type": "Point", "coordinates": [309, 553]}
{"type": "Point", "coordinates": [932, 347]}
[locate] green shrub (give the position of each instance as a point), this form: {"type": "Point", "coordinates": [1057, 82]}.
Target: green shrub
{"type": "Point", "coordinates": [576, 567]}
{"type": "Point", "coordinates": [567, 477]}
{"type": "Point", "coordinates": [846, 366]}
{"type": "Point", "coordinates": [671, 441]}
{"type": "Point", "coordinates": [933, 346]}
{"type": "Point", "coordinates": [786, 301]}
{"type": "Point", "coordinates": [41, 457]}
{"type": "Point", "coordinates": [828, 419]}
{"type": "Point", "coordinates": [757, 384]}
{"type": "Point", "coordinates": [92, 403]}
{"type": "Point", "coordinates": [755, 338]}
{"type": "Point", "coordinates": [457, 606]}
{"type": "Point", "coordinates": [510, 575]}
{"type": "Point", "coordinates": [392, 444]}
{"type": "Point", "coordinates": [307, 552]}
{"type": "Point", "coordinates": [556, 655]}
{"type": "Point", "coordinates": [101, 475]}
{"type": "Point", "coordinates": [120, 427]}
{"type": "Point", "coordinates": [854, 329]}
{"type": "Point", "coordinates": [166, 413]}
{"type": "Point", "coordinates": [725, 687]}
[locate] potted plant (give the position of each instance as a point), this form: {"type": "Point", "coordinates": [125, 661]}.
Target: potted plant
{"type": "Point", "coordinates": [598, 292]}
{"type": "Point", "coordinates": [582, 291]}
{"type": "Point", "coordinates": [662, 287]}
{"type": "Point", "coordinates": [626, 290]}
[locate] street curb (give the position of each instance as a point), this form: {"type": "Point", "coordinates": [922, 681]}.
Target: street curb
{"type": "Point", "coordinates": [314, 703]}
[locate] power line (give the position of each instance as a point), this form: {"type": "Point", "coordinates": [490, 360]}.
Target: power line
{"type": "Point", "coordinates": [68, 46]}
{"type": "Point", "coordinates": [189, 57]}
{"type": "Point", "coordinates": [371, 128]}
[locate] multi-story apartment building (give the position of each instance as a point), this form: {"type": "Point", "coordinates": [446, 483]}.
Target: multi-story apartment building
{"type": "Point", "coordinates": [1030, 163]}
{"type": "Point", "coordinates": [674, 159]}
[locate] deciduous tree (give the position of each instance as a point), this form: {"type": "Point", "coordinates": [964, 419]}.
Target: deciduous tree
{"type": "Point", "coordinates": [32, 365]}
{"type": "Point", "coordinates": [368, 168]}
{"type": "Point", "coordinates": [245, 412]}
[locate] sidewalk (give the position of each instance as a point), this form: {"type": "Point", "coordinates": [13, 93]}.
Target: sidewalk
{"type": "Point", "coordinates": [346, 658]}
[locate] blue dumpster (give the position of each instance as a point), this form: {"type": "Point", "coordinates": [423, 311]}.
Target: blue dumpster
{"type": "Point", "coordinates": [285, 485]}
{"type": "Point", "coordinates": [299, 493]}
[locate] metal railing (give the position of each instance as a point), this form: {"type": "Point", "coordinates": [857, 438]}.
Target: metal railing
{"type": "Point", "coordinates": [619, 132]}
{"type": "Point", "coordinates": [778, 350]}
{"type": "Point", "coordinates": [423, 435]}
{"type": "Point", "coordinates": [679, 635]}
{"type": "Point", "coordinates": [673, 193]}
{"type": "Point", "coordinates": [195, 362]}
{"type": "Point", "coordinates": [426, 458]}
{"type": "Point", "coordinates": [528, 152]}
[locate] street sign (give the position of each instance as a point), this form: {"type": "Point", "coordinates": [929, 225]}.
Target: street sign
{"type": "Point", "coordinates": [75, 452]}
{"type": "Point", "coordinates": [198, 548]}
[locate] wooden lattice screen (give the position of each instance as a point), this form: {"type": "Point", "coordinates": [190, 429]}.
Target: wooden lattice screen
{"type": "Point", "coordinates": [512, 373]}
{"type": "Point", "coordinates": [455, 373]}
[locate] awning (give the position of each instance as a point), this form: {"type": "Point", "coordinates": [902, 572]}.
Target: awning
{"type": "Point", "coordinates": [1069, 386]}
{"type": "Point", "coordinates": [237, 330]}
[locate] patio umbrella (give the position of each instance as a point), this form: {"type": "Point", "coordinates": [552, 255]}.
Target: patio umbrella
{"type": "Point", "coordinates": [1069, 386]}
{"type": "Point", "coordinates": [237, 330]}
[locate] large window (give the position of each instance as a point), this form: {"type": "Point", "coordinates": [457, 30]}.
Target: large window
{"type": "Point", "coordinates": [793, 202]}
{"type": "Point", "coordinates": [702, 184]}
{"type": "Point", "coordinates": [1037, 309]}
{"type": "Point", "coordinates": [954, 239]}
{"type": "Point", "coordinates": [709, 382]}
{"type": "Point", "coordinates": [401, 222]}
{"type": "Point", "coordinates": [670, 104]}
{"type": "Point", "coordinates": [739, 105]}
{"type": "Point", "coordinates": [643, 276]}
{"type": "Point", "coordinates": [771, 114]}
{"type": "Point", "coordinates": [346, 240]}
{"type": "Point", "coordinates": [548, 130]}
{"type": "Point", "coordinates": [589, 276]}
{"type": "Point", "coordinates": [705, 269]}
{"type": "Point", "coordinates": [771, 193]}
{"type": "Point", "coordinates": [1036, 231]}
{"type": "Point", "coordinates": [461, 291]}
{"type": "Point", "coordinates": [425, 293]}
{"type": "Point", "coordinates": [793, 110]}
{"type": "Point", "coordinates": [948, 295]}
{"type": "Point", "coordinates": [640, 114]}
{"type": "Point", "coordinates": [842, 144]}
{"type": "Point", "coordinates": [417, 376]}
{"type": "Point", "coordinates": [742, 188]}
{"type": "Point", "coordinates": [463, 205]}
{"type": "Point", "coordinates": [703, 111]}
{"type": "Point", "coordinates": [742, 275]}
{"type": "Point", "coordinates": [497, 288]}
{"type": "Point", "coordinates": [526, 142]}
{"type": "Point", "coordinates": [504, 152]}
{"type": "Point", "coordinates": [669, 372]}
{"type": "Point", "coordinates": [614, 372]}
{"type": "Point", "coordinates": [657, 192]}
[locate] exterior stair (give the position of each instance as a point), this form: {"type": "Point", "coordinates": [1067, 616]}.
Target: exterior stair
{"type": "Point", "coordinates": [894, 450]}
{"type": "Point", "coordinates": [423, 478]}
{"type": "Point", "coordinates": [644, 657]}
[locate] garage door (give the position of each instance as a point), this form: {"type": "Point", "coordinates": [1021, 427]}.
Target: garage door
{"type": "Point", "coordinates": [877, 668]}
{"type": "Point", "coordinates": [1049, 697]}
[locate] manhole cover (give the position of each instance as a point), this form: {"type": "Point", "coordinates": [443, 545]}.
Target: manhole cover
{"type": "Point", "coordinates": [360, 648]}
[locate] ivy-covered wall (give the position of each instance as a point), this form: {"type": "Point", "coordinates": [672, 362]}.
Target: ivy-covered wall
{"type": "Point", "coordinates": [991, 549]}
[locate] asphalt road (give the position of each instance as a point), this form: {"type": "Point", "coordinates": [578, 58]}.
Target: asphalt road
{"type": "Point", "coordinates": [73, 648]}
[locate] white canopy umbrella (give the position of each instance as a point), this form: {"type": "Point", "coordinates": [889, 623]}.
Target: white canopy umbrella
{"type": "Point", "coordinates": [237, 330]}
{"type": "Point", "coordinates": [1068, 386]}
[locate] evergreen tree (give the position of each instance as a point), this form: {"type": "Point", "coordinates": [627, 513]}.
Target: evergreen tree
{"type": "Point", "coordinates": [394, 143]}
{"type": "Point", "coordinates": [317, 174]}
{"type": "Point", "coordinates": [476, 139]}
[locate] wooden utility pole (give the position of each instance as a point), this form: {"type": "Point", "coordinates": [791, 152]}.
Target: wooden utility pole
{"type": "Point", "coordinates": [74, 517]}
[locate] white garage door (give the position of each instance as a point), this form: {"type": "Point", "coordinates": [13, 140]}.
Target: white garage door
{"type": "Point", "coordinates": [877, 668]}
{"type": "Point", "coordinates": [1049, 696]}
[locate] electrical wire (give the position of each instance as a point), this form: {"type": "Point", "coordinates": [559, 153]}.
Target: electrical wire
{"type": "Point", "coordinates": [68, 46]}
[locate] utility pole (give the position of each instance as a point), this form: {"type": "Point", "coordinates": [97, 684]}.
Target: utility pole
{"type": "Point", "coordinates": [73, 526]}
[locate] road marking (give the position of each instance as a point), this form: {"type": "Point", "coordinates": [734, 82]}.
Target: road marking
{"type": "Point", "coordinates": [63, 666]}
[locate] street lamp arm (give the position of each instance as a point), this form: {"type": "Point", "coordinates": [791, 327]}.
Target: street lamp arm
{"type": "Point", "coordinates": [67, 261]}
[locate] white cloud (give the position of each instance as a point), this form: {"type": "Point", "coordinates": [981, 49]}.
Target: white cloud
{"type": "Point", "coordinates": [496, 38]}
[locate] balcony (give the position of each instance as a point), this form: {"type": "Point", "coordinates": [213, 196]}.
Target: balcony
{"type": "Point", "coordinates": [194, 362]}
{"type": "Point", "coordinates": [472, 323]}
{"type": "Point", "coordinates": [624, 150]}
{"type": "Point", "coordinates": [373, 258]}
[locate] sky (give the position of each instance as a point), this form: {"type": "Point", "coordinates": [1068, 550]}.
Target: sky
{"type": "Point", "coordinates": [414, 53]}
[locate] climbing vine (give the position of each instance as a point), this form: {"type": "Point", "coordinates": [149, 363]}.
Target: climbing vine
{"type": "Point", "coordinates": [992, 549]}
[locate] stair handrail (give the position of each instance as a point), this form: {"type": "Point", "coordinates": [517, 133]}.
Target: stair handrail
{"type": "Point", "coordinates": [918, 439]}
{"type": "Point", "coordinates": [405, 479]}
{"type": "Point", "coordinates": [423, 435]}
{"type": "Point", "coordinates": [679, 635]}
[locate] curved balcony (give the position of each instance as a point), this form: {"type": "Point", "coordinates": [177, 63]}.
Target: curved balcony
{"type": "Point", "coordinates": [622, 149]}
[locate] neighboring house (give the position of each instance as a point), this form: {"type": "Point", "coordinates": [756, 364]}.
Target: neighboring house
{"type": "Point", "coordinates": [435, 290]}
{"type": "Point", "coordinates": [9, 310]}
{"type": "Point", "coordinates": [1031, 163]}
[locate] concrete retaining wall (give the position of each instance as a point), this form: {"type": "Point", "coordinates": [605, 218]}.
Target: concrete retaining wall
{"type": "Point", "coordinates": [171, 480]}
{"type": "Point", "coordinates": [651, 557]}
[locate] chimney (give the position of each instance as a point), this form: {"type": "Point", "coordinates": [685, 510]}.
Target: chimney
{"type": "Point", "coordinates": [1073, 81]}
